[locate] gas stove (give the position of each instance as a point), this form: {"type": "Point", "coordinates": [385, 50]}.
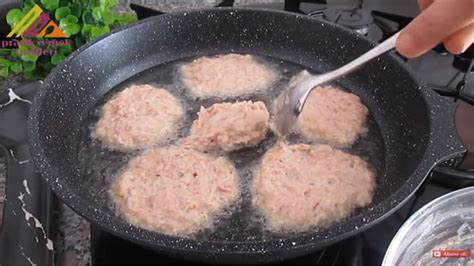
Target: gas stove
{"type": "Point", "coordinates": [377, 20]}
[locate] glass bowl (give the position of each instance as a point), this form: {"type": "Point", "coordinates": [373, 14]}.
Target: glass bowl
{"type": "Point", "coordinates": [440, 233]}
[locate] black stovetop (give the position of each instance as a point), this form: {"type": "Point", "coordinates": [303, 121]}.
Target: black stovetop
{"type": "Point", "coordinates": [367, 248]}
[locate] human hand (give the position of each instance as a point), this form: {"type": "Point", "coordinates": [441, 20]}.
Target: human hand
{"type": "Point", "coordinates": [447, 21]}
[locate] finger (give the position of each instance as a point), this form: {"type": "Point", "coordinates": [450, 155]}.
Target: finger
{"type": "Point", "coordinates": [424, 4]}
{"type": "Point", "coordinates": [460, 40]}
{"type": "Point", "coordinates": [439, 21]}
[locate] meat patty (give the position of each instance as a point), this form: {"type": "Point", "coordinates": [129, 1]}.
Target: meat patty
{"type": "Point", "coordinates": [175, 190]}
{"type": "Point", "coordinates": [226, 76]}
{"type": "Point", "coordinates": [139, 116]}
{"type": "Point", "coordinates": [330, 115]}
{"type": "Point", "coordinates": [229, 126]}
{"type": "Point", "coordinates": [333, 116]}
{"type": "Point", "coordinates": [302, 186]}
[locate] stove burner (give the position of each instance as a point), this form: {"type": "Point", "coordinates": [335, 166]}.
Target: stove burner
{"type": "Point", "coordinates": [359, 20]}
{"type": "Point", "coordinates": [355, 19]}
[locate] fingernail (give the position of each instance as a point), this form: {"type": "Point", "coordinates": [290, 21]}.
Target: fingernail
{"type": "Point", "coordinates": [406, 46]}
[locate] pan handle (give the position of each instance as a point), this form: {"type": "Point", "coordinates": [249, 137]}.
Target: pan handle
{"type": "Point", "coordinates": [451, 138]}
{"type": "Point", "coordinates": [462, 174]}
{"type": "Point", "coordinates": [464, 122]}
{"type": "Point", "coordinates": [448, 176]}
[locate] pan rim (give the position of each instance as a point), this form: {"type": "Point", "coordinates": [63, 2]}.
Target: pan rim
{"type": "Point", "coordinates": [172, 243]}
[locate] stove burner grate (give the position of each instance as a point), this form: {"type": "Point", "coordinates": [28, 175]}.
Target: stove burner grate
{"type": "Point", "coordinates": [356, 19]}
{"type": "Point", "coordinates": [360, 20]}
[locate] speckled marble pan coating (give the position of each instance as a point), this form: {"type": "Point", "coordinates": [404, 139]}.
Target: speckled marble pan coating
{"type": "Point", "coordinates": [416, 125]}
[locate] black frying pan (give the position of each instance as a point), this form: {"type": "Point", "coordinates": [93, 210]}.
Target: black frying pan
{"type": "Point", "coordinates": [416, 126]}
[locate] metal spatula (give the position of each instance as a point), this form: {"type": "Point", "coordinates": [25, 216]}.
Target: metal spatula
{"type": "Point", "coordinates": [294, 97]}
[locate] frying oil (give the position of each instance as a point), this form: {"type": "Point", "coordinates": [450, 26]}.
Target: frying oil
{"type": "Point", "coordinates": [239, 222]}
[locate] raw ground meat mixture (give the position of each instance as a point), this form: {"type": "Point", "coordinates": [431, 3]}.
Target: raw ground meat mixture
{"type": "Point", "coordinates": [175, 190]}
{"type": "Point", "coordinates": [333, 116]}
{"type": "Point", "coordinates": [299, 187]}
{"type": "Point", "coordinates": [138, 117]}
{"type": "Point", "coordinates": [229, 126]}
{"type": "Point", "coordinates": [227, 75]}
